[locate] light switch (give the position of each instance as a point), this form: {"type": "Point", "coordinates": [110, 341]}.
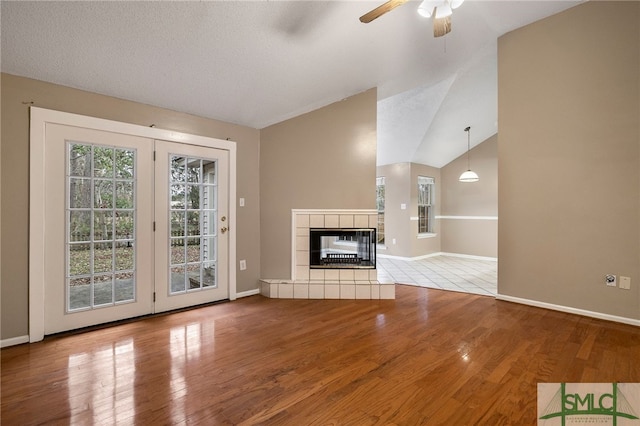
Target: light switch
{"type": "Point", "coordinates": [625, 283]}
{"type": "Point", "coordinates": [241, 202]}
{"type": "Point", "coordinates": [403, 206]}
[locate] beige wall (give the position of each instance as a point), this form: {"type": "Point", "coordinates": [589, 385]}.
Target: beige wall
{"type": "Point", "coordinates": [325, 159]}
{"type": "Point", "coordinates": [397, 225]}
{"type": "Point", "coordinates": [401, 187]}
{"type": "Point", "coordinates": [569, 158]}
{"type": "Point", "coordinates": [15, 178]}
{"type": "Point", "coordinates": [478, 237]}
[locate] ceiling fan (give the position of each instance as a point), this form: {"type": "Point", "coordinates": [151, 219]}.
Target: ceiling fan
{"type": "Point", "coordinates": [440, 9]}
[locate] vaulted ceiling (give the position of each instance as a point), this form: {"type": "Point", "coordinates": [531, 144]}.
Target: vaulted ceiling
{"type": "Point", "coordinates": [257, 63]}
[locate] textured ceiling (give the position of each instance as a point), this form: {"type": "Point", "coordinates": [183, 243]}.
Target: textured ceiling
{"type": "Point", "coordinates": [256, 63]}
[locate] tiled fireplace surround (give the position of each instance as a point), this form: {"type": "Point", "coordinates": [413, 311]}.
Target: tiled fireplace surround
{"type": "Point", "coordinates": [306, 283]}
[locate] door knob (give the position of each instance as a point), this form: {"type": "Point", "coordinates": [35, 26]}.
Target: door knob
{"type": "Point", "coordinates": [224, 229]}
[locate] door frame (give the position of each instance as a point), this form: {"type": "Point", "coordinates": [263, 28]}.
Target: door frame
{"type": "Point", "coordinates": [39, 117]}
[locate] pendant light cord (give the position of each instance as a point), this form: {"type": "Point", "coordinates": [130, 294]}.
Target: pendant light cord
{"type": "Point", "coordinates": [468, 130]}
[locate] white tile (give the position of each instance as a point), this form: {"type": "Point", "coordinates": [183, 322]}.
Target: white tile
{"type": "Point", "coordinates": [300, 291]}
{"type": "Point", "coordinates": [346, 275]}
{"type": "Point", "coordinates": [316, 221]}
{"type": "Point", "coordinates": [373, 274]}
{"type": "Point", "coordinates": [316, 291]}
{"type": "Point", "coordinates": [363, 292]}
{"type": "Point", "coordinates": [285, 291]}
{"type": "Point", "coordinates": [273, 291]}
{"type": "Point", "coordinates": [373, 221]}
{"type": "Point", "coordinates": [346, 221]}
{"type": "Point", "coordinates": [332, 291]}
{"type": "Point", "coordinates": [375, 291]}
{"type": "Point", "coordinates": [302, 232]}
{"type": "Point", "coordinates": [331, 221]}
{"type": "Point", "coordinates": [302, 273]}
{"type": "Point", "coordinates": [302, 242]}
{"type": "Point", "coordinates": [347, 291]}
{"type": "Point", "coordinates": [265, 290]}
{"type": "Point", "coordinates": [361, 274]}
{"type": "Point", "coordinates": [332, 274]}
{"type": "Point", "coordinates": [360, 221]}
{"type": "Point", "coordinates": [302, 220]}
{"type": "Point", "coordinates": [387, 291]}
{"type": "Point", "coordinates": [302, 258]}
{"type": "Point", "coordinates": [316, 274]}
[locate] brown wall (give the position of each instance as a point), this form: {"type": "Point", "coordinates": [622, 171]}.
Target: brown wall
{"type": "Point", "coordinates": [569, 158]}
{"type": "Point", "coordinates": [478, 237]}
{"type": "Point", "coordinates": [325, 159]}
{"type": "Point", "coordinates": [15, 178]}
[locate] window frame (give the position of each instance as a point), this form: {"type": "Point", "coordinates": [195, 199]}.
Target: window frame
{"type": "Point", "coordinates": [380, 207]}
{"type": "Point", "coordinates": [426, 204]}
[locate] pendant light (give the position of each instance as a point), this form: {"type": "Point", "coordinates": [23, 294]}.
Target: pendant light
{"type": "Point", "coordinates": [468, 176]}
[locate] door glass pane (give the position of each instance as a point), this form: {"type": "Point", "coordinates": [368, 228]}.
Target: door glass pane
{"type": "Point", "coordinates": [192, 210]}
{"type": "Point", "coordinates": [79, 193]}
{"type": "Point", "coordinates": [100, 231]}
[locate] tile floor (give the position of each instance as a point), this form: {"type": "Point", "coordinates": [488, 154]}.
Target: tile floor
{"type": "Point", "coordinates": [442, 272]}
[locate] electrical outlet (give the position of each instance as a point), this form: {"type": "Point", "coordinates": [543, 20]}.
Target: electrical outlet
{"type": "Point", "coordinates": [625, 283]}
{"type": "Point", "coordinates": [243, 265]}
{"type": "Point", "coordinates": [610, 280]}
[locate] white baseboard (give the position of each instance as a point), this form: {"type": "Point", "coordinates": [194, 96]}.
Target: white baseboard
{"type": "Point", "coordinates": [14, 341]}
{"type": "Point", "coordinates": [569, 310]}
{"type": "Point", "coordinates": [248, 293]}
{"type": "Point", "coordinates": [470, 256]}
{"type": "Point", "coordinates": [425, 256]}
{"type": "Point", "coordinates": [440, 253]}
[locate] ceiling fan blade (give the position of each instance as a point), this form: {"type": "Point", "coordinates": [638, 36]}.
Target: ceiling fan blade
{"type": "Point", "coordinates": [381, 10]}
{"type": "Point", "coordinates": [441, 26]}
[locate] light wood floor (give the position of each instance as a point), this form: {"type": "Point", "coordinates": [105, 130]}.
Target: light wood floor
{"type": "Point", "coordinates": [431, 357]}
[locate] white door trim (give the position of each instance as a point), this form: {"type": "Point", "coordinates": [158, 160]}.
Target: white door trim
{"type": "Point", "coordinates": [39, 118]}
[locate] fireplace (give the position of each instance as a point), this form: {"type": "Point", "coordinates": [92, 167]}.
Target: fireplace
{"type": "Point", "coordinates": [348, 273]}
{"type": "Point", "coordinates": [342, 248]}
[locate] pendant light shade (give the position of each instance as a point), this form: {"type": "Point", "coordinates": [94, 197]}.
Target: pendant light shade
{"type": "Point", "coordinates": [468, 176]}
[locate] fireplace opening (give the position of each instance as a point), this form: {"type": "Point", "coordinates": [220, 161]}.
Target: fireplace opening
{"type": "Point", "coordinates": [352, 248]}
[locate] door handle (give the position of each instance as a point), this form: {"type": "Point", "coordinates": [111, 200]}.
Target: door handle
{"type": "Point", "coordinates": [224, 229]}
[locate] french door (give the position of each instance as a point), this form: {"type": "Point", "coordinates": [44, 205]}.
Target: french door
{"type": "Point", "coordinates": [192, 225]}
{"type": "Point", "coordinates": [127, 235]}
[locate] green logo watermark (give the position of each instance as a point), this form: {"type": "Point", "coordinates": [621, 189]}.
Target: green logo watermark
{"type": "Point", "coordinates": [588, 403]}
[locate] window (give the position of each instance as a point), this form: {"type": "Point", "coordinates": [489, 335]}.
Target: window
{"type": "Point", "coordinates": [426, 187]}
{"type": "Point", "coordinates": [380, 206]}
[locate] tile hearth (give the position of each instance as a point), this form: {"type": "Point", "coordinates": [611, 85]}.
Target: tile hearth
{"type": "Point", "coordinates": [307, 283]}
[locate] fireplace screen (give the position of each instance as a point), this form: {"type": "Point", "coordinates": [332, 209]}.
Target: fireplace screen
{"type": "Point", "coordinates": [342, 248]}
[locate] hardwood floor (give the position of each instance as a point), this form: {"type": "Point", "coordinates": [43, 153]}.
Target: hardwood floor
{"type": "Point", "coordinates": [430, 357]}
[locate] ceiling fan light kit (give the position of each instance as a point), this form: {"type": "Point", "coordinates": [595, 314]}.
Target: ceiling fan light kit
{"type": "Point", "coordinates": [441, 10]}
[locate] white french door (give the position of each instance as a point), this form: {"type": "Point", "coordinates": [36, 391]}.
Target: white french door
{"type": "Point", "coordinates": [98, 260]}
{"type": "Point", "coordinates": [126, 235]}
{"type": "Point", "coordinates": [191, 238]}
